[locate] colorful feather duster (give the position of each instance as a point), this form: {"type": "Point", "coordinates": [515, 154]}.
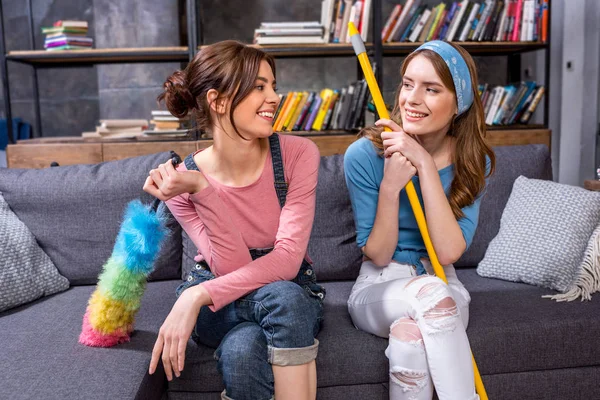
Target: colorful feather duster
{"type": "Point", "coordinates": [109, 318]}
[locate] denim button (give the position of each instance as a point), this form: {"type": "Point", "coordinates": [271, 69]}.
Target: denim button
{"type": "Point", "coordinates": [198, 266]}
{"type": "Point", "coordinates": [190, 278]}
{"type": "Point", "coordinates": [321, 295]}
{"type": "Point", "coordinates": [308, 272]}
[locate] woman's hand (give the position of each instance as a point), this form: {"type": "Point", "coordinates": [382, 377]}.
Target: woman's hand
{"type": "Point", "coordinates": [400, 141]}
{"type": "Point", "coordinates": [397, 171]}
{"type": "Point", "coordinates": [165, 182]}
{"type": "Point", "coordinates": [176, 330]}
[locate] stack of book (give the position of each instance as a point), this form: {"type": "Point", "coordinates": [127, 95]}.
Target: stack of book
{"type": "Point", "coordinates": [306, 32]}
{"type": "Point", "coordinates": [322, 111]}
{"type": "Point", "coordinates": [67, 35]}
{"type": "Point", "coordinates": [333, 27]}
{"type": "Point", "coordinates": [468, 20]}
{"type": "Point", "coordinates": [118, 129]}
{"type": "Point", "coordinates": [512, 104]}
{"type": "Point", "coordinates": [163, 123]}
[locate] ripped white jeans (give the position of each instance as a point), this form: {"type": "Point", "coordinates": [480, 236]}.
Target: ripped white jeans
{"type": "Point", "coordinates": [425, 321]}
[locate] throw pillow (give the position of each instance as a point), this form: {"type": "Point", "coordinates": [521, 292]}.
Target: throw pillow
{"type": "Point", "coordinates": [588, 273]}
{"type": "Point", "coordinates": [26, 271]}
{"type": "Point", "coordinates": [544, 231]}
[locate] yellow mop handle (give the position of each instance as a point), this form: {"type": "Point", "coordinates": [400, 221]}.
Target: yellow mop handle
{"type": "Point", "coordinates": [361, 53]}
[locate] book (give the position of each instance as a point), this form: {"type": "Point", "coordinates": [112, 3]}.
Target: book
{"type": "Point", "coordinates": [365, 20]}
{"type": "Point", "coordinates": [71, 24]}
{"type": "Point", "coordinates": [313, 113]}
{"type": "Point", "coordinates": [327, 95]}
{"type": "Point", "coordinates": [440, 24]}
{"type": "Point", "coordinates": [339, 17]}
{"type": "Point", "coordinates": [298, 98]}
{"type": "Point", "coordinates": [413, 21]}
{"type": "Point", "coordinates": [468, 28]}
{"type": "Point", "coordinates": [539, 93]}
{"type": "Point", "coordinates": [60, 29]}
{"type": "Point", "coordinates": [304, 111]}
{"type": "Point", "coordinates": [400, 21]}
{"type": "Point", "coordinates": [406, 21]}
{"type": "Point", "coordinates": [289, 32]}
{"type": "Point", "coordinates": [419, 28]}
{"type": "Point", "coordinates": [344, 31]}
{"type": "Point", "coordinates": [456, 20]}
{"type": "Point", "coordinates": [291, 25]}
{"type": "Point", "coordinates": [123, 123]}
{"type": "Point", "coordinates": [439, 15]}
{"type": "Point", "coordinates": [285, 111]}
{"type": "Point", "coordinates": [448, 20]}
{"type": "Point", "coordinates": [266, 40]}
{"type": "Point", "coordinates": [389, 24]}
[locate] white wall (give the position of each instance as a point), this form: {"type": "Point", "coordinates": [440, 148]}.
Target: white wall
{"type": "Point", "coordinates": [579, 88]}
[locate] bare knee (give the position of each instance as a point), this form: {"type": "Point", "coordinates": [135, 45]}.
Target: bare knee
{"type": "Point", "coordinates": [406, 330]}
{"type": "Point", "coordinates": [440, 311]}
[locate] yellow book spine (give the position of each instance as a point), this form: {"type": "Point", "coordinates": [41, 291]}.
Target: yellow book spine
{"type": "Point", "coordinates": [292, 112]}
{"type": "Point", "coordinates": [326, 95]}
{"type": "Point", "coordinates": [436, 21]}
{"type": "Point", "coordinates": [297, 112]}
{"type": "Point", "coordinates": [283, 114]}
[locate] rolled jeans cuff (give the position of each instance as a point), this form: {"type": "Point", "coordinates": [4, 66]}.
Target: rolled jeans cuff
{"type": "Point", "coordinates": [225, 397]}
{"type": "Point", "coordinates": [293, 356]}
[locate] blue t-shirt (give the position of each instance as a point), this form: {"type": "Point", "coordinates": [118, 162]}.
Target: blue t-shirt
{"type": "Point", "coordinates": [363, 167]}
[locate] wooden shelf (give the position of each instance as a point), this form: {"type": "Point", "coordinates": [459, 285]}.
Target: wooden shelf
{"type": "Point", "coordinates": [475, 48]}
{"type": "Point", "coordinates": [41, 152]}
{"type": "Point", "coordinates": [101, 56]}
{"type": "Point", "coordinates": [519, 137]}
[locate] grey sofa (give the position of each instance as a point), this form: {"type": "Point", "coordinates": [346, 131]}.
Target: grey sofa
{"type": "Point", "coordinates": [526, 347]}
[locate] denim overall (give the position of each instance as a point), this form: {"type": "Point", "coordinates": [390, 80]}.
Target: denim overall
{"type": "Point", "coordinates": [275, 324]}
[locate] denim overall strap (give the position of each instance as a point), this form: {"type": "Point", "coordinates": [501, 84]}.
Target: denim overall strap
{"type": "Point", "coordinates": [281, 186]}
{"type": "Point", "coordinates": [190, 164]}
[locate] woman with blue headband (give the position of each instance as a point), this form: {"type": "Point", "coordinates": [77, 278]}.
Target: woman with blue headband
{"type": "Point", "coordinates": [437, 141]}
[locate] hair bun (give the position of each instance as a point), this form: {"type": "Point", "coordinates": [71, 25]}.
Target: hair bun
{"type": "Point", "coordinates": [178, 98]}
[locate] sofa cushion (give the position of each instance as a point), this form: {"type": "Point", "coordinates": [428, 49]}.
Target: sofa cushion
{"type": "Point", "coordinates": [341, 345]}
{"type": "Point", "coordinates": [40, 340]}
{"type": "Point", "coordinates": [531, 161]}
{"type": "Point", "coordinates": [332, 244]}
{"type": "Point", "coordinates": [75, 211]}
{"type": "Point", "coordinates": [26, 272]}
{"type": "Point", "coordinates": [513, 329]}
{"type": "Point", "coordinates": [545, 228]}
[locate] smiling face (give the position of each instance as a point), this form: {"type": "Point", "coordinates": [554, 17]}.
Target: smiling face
{"type": "Point", "coordinates": [254, 114]}
{"type": "Point", "coordinates": [426, 105]}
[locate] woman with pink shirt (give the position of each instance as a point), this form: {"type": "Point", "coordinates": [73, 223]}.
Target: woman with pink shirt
{"type": "Point", "coordinates": [248, 204]}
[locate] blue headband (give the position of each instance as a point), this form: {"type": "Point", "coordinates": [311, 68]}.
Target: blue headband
{"type": "Point", "coordinates": [459, 70]}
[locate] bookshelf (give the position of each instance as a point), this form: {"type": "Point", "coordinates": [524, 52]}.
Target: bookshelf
{"type": "Point", "coordinates": [330, 140]}
{"type": "Point", "coordinates": [100, 56]}
{"type": "Point", "coordinates": [498, 134]}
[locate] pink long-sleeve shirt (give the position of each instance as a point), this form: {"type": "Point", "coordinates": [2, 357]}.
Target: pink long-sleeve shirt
{"type": "Point", "coordinates": [225, 222]}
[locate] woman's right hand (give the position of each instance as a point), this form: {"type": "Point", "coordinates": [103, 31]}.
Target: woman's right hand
{"type": "Point", "coordinates": [165, 182]}
{"type": "Point", "coordinates": [397, 171]}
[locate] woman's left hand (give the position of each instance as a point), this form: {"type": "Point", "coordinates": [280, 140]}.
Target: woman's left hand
{"type": "Point", "coordinates": [398, 141]}
{"type": "Point", "coordinates": [176, 330]}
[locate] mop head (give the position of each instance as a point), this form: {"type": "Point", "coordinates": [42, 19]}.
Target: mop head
{"type": "Point", "coordinates": [109, 318]}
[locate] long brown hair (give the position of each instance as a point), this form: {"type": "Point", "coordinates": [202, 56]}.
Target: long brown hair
{"type": "Point", "coordinates": [229, 67]}
{"type": "Point", "coordinates": [468, 129]}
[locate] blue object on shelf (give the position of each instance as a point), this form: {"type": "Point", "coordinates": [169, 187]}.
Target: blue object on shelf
{"type": "Point", "coordinates": [21, 131]}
